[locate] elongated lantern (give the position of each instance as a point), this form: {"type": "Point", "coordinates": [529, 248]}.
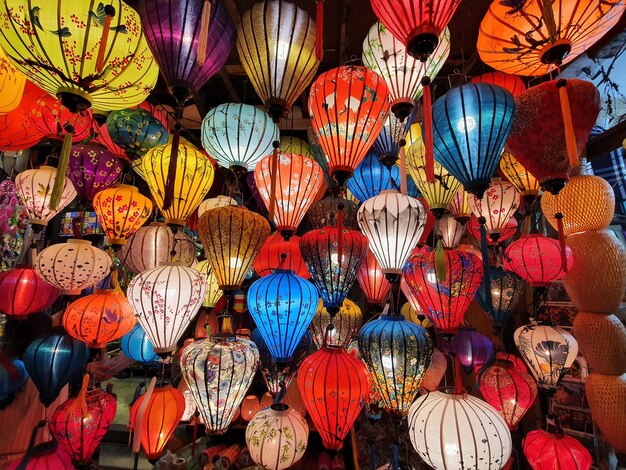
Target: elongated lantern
{"type": "Point", "coordinates": [506, 289]}
{"type": "Point", "coordinates": [346, 324]}
{"type": "Point", "coordinates": [213, 293]}
{"type": "Point", "coordinates": [372, 280]}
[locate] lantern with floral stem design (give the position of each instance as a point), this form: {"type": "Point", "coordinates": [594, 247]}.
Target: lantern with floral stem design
{"type": "Point", "coordinates": [136, 345]}
{"type": "Point", "coordinates": [473, 349]}
{"type": "Point", "coordinates": [553, 449]}
{"type": "Point", "coordinates": [214, 203]}
{"type": "Point", "coordinates": [506, 289]}
{"type": "Point", "coordinates": [515, 172]}
{"type": "Point", "coordinates": [11, 85]}
{"type": "Point", "coordinates": [507, 81]}
{"type": "Point", "coordinates": [372, 280]}
{"type": "Point", "coordinates": [537, 259]}
{"type": "Point", "coordinates": [348, 106]}
{"type": "Point", "coordinates": [24, 292]}
{"type": "Point", "coordinates": [450, 230]}
{"type": "Point", "coordinates": [510, 229]}
{"type": "Point", "coordinates": [16, 131]}
{"type": "Point", "coordinates": [213, 293]}
{"type": "Point", "coordinates": [324, 212]}
{"type": "Point", "coordinates": [346, 324]}
{"type": "Point", "coordinates": [55, 121]}
{"type": "Point", "coordinates": [136, 131]}
{"type": "Point", "coordinates": [496, 207]}
{"type": "Point", "coordinates": [91, 169]}
{"type": "Point", "coordinates": [372, 177]}
{"type": "Point", "coordinates": [276, 253]}
{"type": "Point", "coordinates": [121, 211]}
{"type": "Point", "coordinates": [435, 372]}
{"type": "Point", "coordinates": [46, 455]}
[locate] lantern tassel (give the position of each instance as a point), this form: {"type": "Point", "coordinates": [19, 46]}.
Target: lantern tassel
{"type": "Point", "coordinates": [559, 227]}
{"type": "Point", "coordinates": [428, 132]}
{"type": "Point", "coordinates": [319, 30]}
{"type": "Point", "coordinates": [109, 11]}
{"type": "Point", "coordinates": [140, 414]}
{"type": "Point", "coordinates": [484, 248]}
{"type": "Point", "coordinates": [64, 160]}
{"type": "Point", "coordinates": [274, 174]}
{"type": "Point", "coordinates": [203, 40]}
{"type": "Point", "coordinates": [340, 234]}
{"type": "Point", "coordinates": [570, 135]}
{"type": "Point", "coordinates": [81, 398]}
{"type": "Point", "coordinates": [402, 144]}
{"type": "Point", "coordinates": [170, 182]}
{"type": "Point", "coordinates": [441, 265]}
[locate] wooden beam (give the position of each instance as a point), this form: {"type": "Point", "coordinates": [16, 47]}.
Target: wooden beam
{"type": "Point", "coordinates": [234, 69]}
{"type": "Point", "coordinates": [606, 142]}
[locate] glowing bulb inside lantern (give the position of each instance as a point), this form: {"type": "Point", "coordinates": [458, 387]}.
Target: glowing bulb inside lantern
{"type": "Point", "coordinates": [431, 277]}
{"type": "Point", "coordinates": [467, 124]}
{"type": "Point", "coordinates": [236, 263]}
{"type": "Point", "coordinates": [388, 362]}
{"type": "Point", "coordinates": [282, 50]}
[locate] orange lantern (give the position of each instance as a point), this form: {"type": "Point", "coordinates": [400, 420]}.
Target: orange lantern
{"type": "Point", "coordinates": [515, 172]}
{"type": "Point", "coordinates": [509, 82]}
{"type": "Point", "coordinates": [372, 280]}
{"type": "Point", "coordinates": [16, 131]}
{"type": "Point", "coordinates": [11, 85]}
{"type": "Point", "coordinates": [250, 406]}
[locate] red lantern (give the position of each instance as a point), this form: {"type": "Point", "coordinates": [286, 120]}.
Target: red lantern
{"type": "Point", "coordinates": [270, 256]}
{"type": "Point", "coordinates": [24, 292]}
{"type": "Point", "coordinates": [537, 259]}
{"type": "Point", "coordinates": [46, 455]}
{"type": "Point", "coordinates": [507, 81]}
{"type": "Point", "coordinates": [161, 416]}
{"type": "Point", "coordinates": [510, 229]}
{"type": "Point", "coordinates": [16, 131]}
{"type": "Point", "coordinates": [334, 386]}
{"type": "Point", "coordinates": [372, 280]}
{"type": "Point", "coordinates": [554, 450]}
{"type": "Point", "coordinates": [430, 222]}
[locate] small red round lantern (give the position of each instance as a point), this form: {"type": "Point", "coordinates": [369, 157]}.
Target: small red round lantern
{"type": "Point", "coordinates": [372, 280]}
{"type": "Point", "coordinates": [271, 255]}
{"type": "Point", "coordinates": [24, 292]}
{"type": "Point", "coordinates": [549, 450]}
{"type": "Point", "coordinates": [537, 259]}
{"type": "Point", "coordinates": [507, 81]}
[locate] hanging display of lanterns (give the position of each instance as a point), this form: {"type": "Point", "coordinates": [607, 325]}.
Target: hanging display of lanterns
{"type": "Point", "coordinates": [91, 169]}
{"type": "Point", "coordinates": [537, 259]}
{"type": "Point", "coordinates": [472, 348]}
{"type": "Point", "coordinates": [372, 280]}
{"type": "Point", "coordinates": [24, 292]}
{"type": "Point", "coordinates": [515, 172]}
{"type": "Point", "coordinates": [450, 230]}
{"type": "Point", "coordinates": [497, 206]}
{"type": "Point", "coordinates": [277, 253]}
{"type": "Point", "coordinates": [136, 345]}
{"type": "Point", "coordinates": [546, 450]}
{"type": "Point", "coordinates": [11, 85]}
{"type": "Point", "coordinates": [505, 291]}
{"type": "Point", "coordinates": [324, 212]}
{"type": "Point", "coordinates": [507, 81]}
{"type": "Point", "coordinates": [136, 131]}
{"type": "Point", "coordinates": [346, 324]}
{"type": "Point", "coordinates": [372, 177]}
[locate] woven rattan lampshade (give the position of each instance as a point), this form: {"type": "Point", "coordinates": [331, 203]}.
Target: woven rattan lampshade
{"type": "Point", "coordinates": [607, 400]}
{"type": "Point", "coordinates": [602, 341]}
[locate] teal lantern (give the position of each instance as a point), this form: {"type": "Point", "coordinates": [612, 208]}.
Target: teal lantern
{"type": "Point", "coordinates": [137, 346]}
{"type": "Point", "coordinates": [136, 131]}
{"type": "Point", "coordinates": [371, 177]}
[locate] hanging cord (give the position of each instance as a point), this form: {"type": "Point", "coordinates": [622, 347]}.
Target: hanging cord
{"type": "Point", "coordinates": [319, 29]}
{"type": "Point", "coordinates": [402, 144]}
{"type": "Point", "coordinates": [170, 182]}
{"type": "Point", "coordinates": [428, 131]}
{"type": "Point", "coordinates": [559, 223]}
{"type": "Point", "coordinates": [340, 233]}
{"type": "Point", "coordinates": [203, 39]}
{"type": "Point", "coordinates": [273, 174]}
{"type": "Point", "coordinates": [484, 248]}
{"type": "Point", "coordinates": [109, 11]}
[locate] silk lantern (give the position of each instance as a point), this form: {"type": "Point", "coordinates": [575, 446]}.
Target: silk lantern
{"type": "Point", "coordinates": [553, 449]}
{"type": "Point", "coordinates": [372, 280]}
{"type": "Point", "coordinates": [55, 121]}
{"type": "Point", "coordinates": [459, 207]}
{"type": "Point", "coordinates": [537, 259]}
{"type": "Point", "coordinates": [334, 385]}
{"type": "Point", "coordinates": [11, 85]}
{"type": "Point", "coordinates": [473, 349]}
{"type": "Point", "coordinates": [291, 144]}
{"type": "Point", "coordinates": [137, 346]}
{"type": "Point", "coordinates": [346, 324]}
{"type": "Point", "coordinates": [249, 407]}
{"type": "Point", "coordinates": [136, 131]}
{"type": "Point", "coordinates": [507, 81]}
{"type": "Point", "coordinates": [391, 141]}
{"type": "Point", "coordinates": [505, 290]}
{"type": "Point", "coordinates": [24, 292]}
{"type": "Point", "coordinates": [548, 352]}
{"type": "Point", "coordinates": [16, 130]}
{"type": "Point", "coordinates": [276, 253]}
{"type": "Point", "coordinates": [13, 376]}
{"type": "Point", "coordinates": [515, 172]}
{"type": "Point", "coordinates": [214, 203]}
{"type": "Point", "coordinates": [213, 293]}
{"type": "Point", "coordinates": [435, 372]}
{"type": "Point", "coordinates": [165, 300]}
{"type": "Point", "coordinates": [450, 230]}
{"type": "Point", "coordinates": [372, 177]}
{"type": "Point", "coordinates": [497, 206]}
{"type": "Point", "coordinates": [324, 212]}
{"type": "Point", "coordinates": [91, 169]}
{"type": "Point", "coordinates": [473, 227]}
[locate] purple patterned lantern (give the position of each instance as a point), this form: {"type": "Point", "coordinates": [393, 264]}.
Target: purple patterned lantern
{"type": "Point", "coordinates": [473, 349]}
{"type": "Point", "coordinates": [92, 168]}
{"type": "Point", "coordinates": [173, 31]}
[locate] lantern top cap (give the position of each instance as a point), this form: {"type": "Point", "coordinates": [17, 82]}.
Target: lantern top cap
{"type": "Point", "coordinates": [453, 393]}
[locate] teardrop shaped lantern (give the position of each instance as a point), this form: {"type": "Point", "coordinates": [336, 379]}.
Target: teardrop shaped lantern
{"type": "Point", "coordinates": [11, 85]}
{"type": "Point", "coordinates": [91, 169]}
{"type": "Point", "coordinates": [346, 324]}
{"type": "Point", "coordinates": [214, 203]}
{"type": "Point", "coordinates": [506, 289]}
{"type": "Point", "coordinates": [515, 172]}
{"type": "Point", "coordinates": [136, 345]}
{"type": "Point", "coordinates": [372, 177]}
{"type": "Point", "coordinates": [450, 230]}
{"type": "Point", "coordinates": [471, 124]}
{"type": "Point", "coordinates": [277, 253]}
{"type": "Point", "coordinates": [372, 280]}
{"type": "Point", "coordinates": [24, 292]}
{"type": "Point", "coordinates": [497, 206]}
{"type": "Point", "coordinates": [136, 131]}
{"type": "Point", "coordinates": [165, 300]}
{"type": "Point", "coordinates": [473, 349]}
{"type": "Point", "coordinates": [537, 259]}
{"type": "Point", "coordinates": [546, 450]}
{"type": "Point", "coordinates": [213, 293]}
{"type": "Point", "coordinates": [348, 106]}
{"type": "Point", "coordinates": [276, 42]}
{"type": "Point", "coordinates": [334, 385]}
{"type": "Point", "coordinates": [324, 212]}
{"type": "Point", "coordinates": [218, 372]}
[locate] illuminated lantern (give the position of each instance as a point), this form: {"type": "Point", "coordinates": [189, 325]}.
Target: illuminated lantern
{"type": "Point", "coordinates": [391, 138]}
{"type": "Point", "coordinates": [121, 211]}
{"type": "Point", "coordinates": [348, 106]}
{"type": "Point", "coordinates": [290, 144]}
{"type": "Point", "coordinates": [458, 206]}
{"type": "Point", "coordinates": [298, 181]}
{"type": "Point", "coordinates": [548, 352]}
{"type": "Point", "coordinates": [372, 177]}
{"type": "Point", "coordinates": [346, 324]}
{"type": "Point", "coordinates": [136, 131]}
{"type": "Point", "coordinates": [444, 301]}
{"type": "Point", "coordinates": [24, 292]}
{"type": "Point", "coordinates": [52, 361]}
{"type": "Point", "coordinates": [108, 66]}
{"type": "Point", "coordinates": [161, 416]}
{"type": "Point", "coordinates": [99, 318]}
{"type": "Point", "coordinates": [238, 135]}
{"type": "Point", "coordinates": [537, 259]}
{"type": "Point", "coordinates": [450, 230]}
{"type": "Point", "coordinates": [506, 289]}
{"type": "Point", "coordinates": [232, 237]}
{"type": "Point", "coordinates": [91, 169]}
{"type": "Point", "coordinates": [277, 437]}
{"type": "Point", "coordinates": [282, 306]}
{"type": "Point", "coordinates": [218, 373]}
{"type": "Point", "coordinates": [515, 172]}
{"type": "Point", "coordinates": [497, 206]}
{"type": "Point", "coordinates": [512, 39]}
{"type": "Point", "coordinates": [55, 121]}
{"type": "Point", "coordinates": [509, 389]}
{"type": "Point", "coordinates": [471, 124]}
{"type": "Point", "coordinates": [416, 316]}
{"type": "Point", "coordinates": [553, 449]}
{"type": "Point", "coordinates": [509, 82]}
{"type": "Point", "coordinates": [16, 130]}
{"type": "Point", "coordinates": [192, 179]}
{"type": "Point", "coordinates": [34, 188]}
{"type": "Point", "coordinates": [372, 280]}
{"type": "Point", "coordinates": [276, 253]}
{"type": "Point", "coordinates": [334, 385]}
{"type": "Point", "coordinates": [510, 229]}
{"type": "Point", "coordinates": [136, 345]}
{"type": "Point", "coordinates": [451, 429]}
{"type": "Point", "coordinates": [214, 203]}
{"type": "Point", "coordinates": [249, 407]}
{"type": "Point", "coordinates": [538, 137]}
{"type": "Point", "coordinates": [276, 42]}
{"type": "Point", "coordinates": [435, 372]}
{"type": "Point", "coordinates": [73, 266]}
{"type": "Point", "coordinates": [324, 212]}
{"type": "Point", "coordinates": [472, 348]}
{"type": "Point", "coordinates": [397, 353]}
{"type": "Point", "coordinates": [11, 85]}
{"type": "Point", "coordinates": [213, 293]}
{"type": "Point", "coordinates": [165, 300]}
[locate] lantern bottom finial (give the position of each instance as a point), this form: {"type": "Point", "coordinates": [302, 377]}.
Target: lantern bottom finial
{"type": "Point", "coordinates": [75, 103]}
{"type": "Point", "coordinates": [478, 187]}
{"type": "Point", "coordinates": [422, 45]}
{"type": "Point", "coordinates": [402, 109]}
{"type": "Point", "coordinates": [277, 109]}
{"type": "Point", "coordinates": [341, 175]}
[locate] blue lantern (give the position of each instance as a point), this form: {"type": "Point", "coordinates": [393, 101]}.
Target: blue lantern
{"type": "Point", "coordinates": [470, 126]}
{"type": "Point", "coordinates": [371, 177]}
{"type": "Point", "coordinates": [137, 346]}
{"type": "Point", "coordinates": [394, 130]}
{"type": "Point", "coordinates": [52, 361]}
{"type": "Point", "coordinates": [282, 306]}
{"type": "Point", "coordinates": [506, 289]}
{"type": "Point", "coordinates": [136, 130]}
{"type": "Point", "coordinates": [13, 376]}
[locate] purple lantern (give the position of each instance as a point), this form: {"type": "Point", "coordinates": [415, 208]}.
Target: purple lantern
{"type": "Point", "coordinates": [92, 168]}
{"type": "Point", "coordinates": [174, 34]}
{"type": "Point", "coordinates": [472, 348]}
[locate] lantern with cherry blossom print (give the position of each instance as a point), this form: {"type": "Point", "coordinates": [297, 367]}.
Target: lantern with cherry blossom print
{"type": "Point", "coordinates": [473, 349]}
{"type": "Point", "coordinates": [346, 324]}
{"type": "Point", "coordinates": [372, 280]}
{"type": "Point", "coordinates": [497, 206]}
{"type": "Point", "coordinates": [92, 168]}
{"type": "Point", "coordinates": [537, 259]}
{"type": "Point", "coordinates": [136, 131]}
{"type": "Point", "coordinates": [277, 253]}
{"type": "Point", "coordinates": [24, 292]}
{"type": "Point", "coordinates": [553, 449]}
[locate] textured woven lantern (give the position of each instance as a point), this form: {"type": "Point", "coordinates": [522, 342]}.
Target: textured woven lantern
{"type": "Point", "coordinates": [91, 169]}
{"type": "Point", "coordinates": [232, 237]}
{"type": "Point", "coordinates": [136, 131]}
{"type": "Point", "coordinates": [547, 351]}
{"type": "Point", "coordinates": [348, 107]}
{"type": "Point", "coordinates": [435, 372]}
{"type": "Point", "coordinates": [346, 324]}
{"type": "Point", "coordinates": [165, 300]}
{"type": "Point", "coordinates": [214, 203]}
{"type": "Point", "coordinates": [73, 266]}
{"type": "Point", "coordinates": [507, 81]}
{"type": "Point", "coordinates": [16, 131]}
{"type": "Point", "coordinates": [24, 292]}
{"type": "Point", "coordinates": [213, 293]}
{"type": "Point", "coordinates": [547, 450]}
{"type": "Point", "coordinates": [372, 280]}
{"type": "Point", "coordinates": [219, 372]}
{"type": "Point", "coordinates": [515, 172]}
{"type": "Point", "coordinates": [121, 211]}
{"type": "Point", "coordinates": [136, 345]}
{"type": "Point", "coordinates": [497, 206]}
{"type": "Point", "coordinates": [472, 348]}
{"type": "Point", "coordinates": [334, 385]}
{"type": "Point", "coordinates": [277, 253]}
{"type": "Point", "coordinates": [11, 85]}
{"type": "Point", "coordinates": [371, 177]}
{"type": "Point", "coordinates": [450, 230]}
{"type": "Point", "coordinates": [537, 259]}
{"type": "Point", "coordinates": [505, 289]}
{"type": "Point", "coordinates": [324, 212]}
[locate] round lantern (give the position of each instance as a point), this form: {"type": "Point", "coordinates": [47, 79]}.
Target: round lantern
{"type": "Point", "coordinates": [34, 188]}
{"type": "Point", "coordinates": [290, 144]}
{"type": "Point", "coordinates": [548, 352]}
{"type": "Point", "coordinates": [346, 324]}
{"type": "Point", "coordinates": [162, 414]}
{"type": "Point", "coordinates": [471, 124]}
{"type": "Point", "coordinates": [213, 293]}
{"type": "Point", "coordinates": [450, 230]}
{"type": "Point", "coordinates": [277, 437]}
{"type": "Point", "coordinates": [11, 85]}
{"type": "Point", "coordinates": [537, 259]}
{"type": "Point", "coordinates": [435, 372]}
{"type": "Point", "coordinates": [165, 300]}
{"type": "Point", "coordinates": [472, 348]}
{"type": "Point", "coordinates": [451, 429]}
{"type": "Point", "coordinates": [372, 280]}
{"type": "Point", "coordinates": [276, 253]}
{"type": "Point", "coordinates": [24, 292]}
{"type": "Point", "coordinates": [16, 130]}
{"type": "Point", "coordinates": [99, 318]}
{"type": "Point", "coordinates": [515, 172]}
{"type": "Point", "coordinates": [214, 203]}
{"type": "Point", "coordinates": [372, 177]}
{"type": "Point", "coordinates": [13, 376]}
{"type": "Point", "coordinates": [91, 169]}
{"type": "Point", "coordinates": [497, 206]}
{"type": "Point", "coordinates": [73, 266]}
{"type": "Point", "coordinates": [218, 373]}
{"type": "Point", "coordinates": [44, 456]}
{"type": "Point", "coordinates": [250, 406]}
{"type": "Point", "coordinates": [507, 81]}
{"type": "Point", "coordinates": [282, 306]}
{"type": "Point", "coordinates": [509, 230]}
{"type": "Point", "coordinates": [334, 385]}
{"type": "Point", "coordinates": [121, 210]}
{"type": "Point", "coordinates": [136, 131]}
{"type": "Point", "coordinates": [348, 106]}
{"type": "Point", "coordinates": [506, 289]}
{"type": "Point", "coordinates": [416, 316]}
{"type": "Point", "coordinates": [548, 450]}
{"type": "Point", "coordinates": [232, 237]}
{"type": "Point", "coordinates": [55, 121]}
{"type": "Point", "coordinates": [324, 212]}
{"type": "Point", "coordinates": [136, 345]}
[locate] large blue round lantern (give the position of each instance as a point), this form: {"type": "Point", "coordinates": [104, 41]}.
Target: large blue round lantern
{"type": "Point", "coordinates": [136, 131]}
{"type": "Point", "coordinates": [52, 361]}
{"type": "Point", "coordinates": [13, 376]}
{"type": "Point", "coordinates": [371, 177]}
{"type": "Point", "coordinates": [137, 346]}
{"type": "Point", "coordinates": [283, 306]}
{"type": "Point", "coordinates": [470, 126]}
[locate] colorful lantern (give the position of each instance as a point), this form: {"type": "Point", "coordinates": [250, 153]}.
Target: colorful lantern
{"type": "Point", "coordinates": [507, 81]}
{"type": "Point", "coordinates": [334, 385]}
{"type": "Point", "coordinates": [55, 121]}
{"type": "Point", "coordinates": [472, 348]}
{"type": "Point", "coordinates": [458, 206]}
{"type": "Point", "coordinates": [509, 230]}
{"type": "Point", "coordinates": [537, 259]}
{"type": "Point", "coordinates": [276, 253]}
{"type": "Point", "coordinates": [372, 177]}
{"type": "Point", "coordinates": [348, 106]}
{"type": "Point", "coordinates": [547, 351]}
{"type": "Point", "coordinates": [214, 203]}
{"type": "Point", "coordinates": [553, 449]}
{"type": "Point", "coordinates": [372, 280]}
{"type": "Point", "coordinates": [515, 172]}
{"type": "Point", "coordinates": [136, 131]}
{"type": "Point", "coordinates": [450, 230]}
{"type": "Point", "coordinates": [24, 292]}
{"type": "Point", "coordinates": [416, 316]}
{"type": "Point", "coordinates": [346, 324]}
{"type": "Point", "coordinates": [16, 131]}
{"type": "Point", "coordinates": [11, 85]}
{"type": "Point", "coordinates": [391, 138]}
{"type": "Point", "coordinates": [213, 293]}
{"type": "Point", "coordinates": [497, 206]}
{"type": "Point", "coordinates": [250, 406]}
{"type": "Point", "coordinates": [506, 289]}
{"type": "Point", "coordinates": [435, 372]}
{"type": "Point", "coordinates": [44, 456]}
{"type": "Point", "coordinates": [136, 345]}
{"type": "Point", "coordinates": [165, 300]}
{"type": "Point", "coordinates": [324, 212]}
{"type": "Point", "coordinates": [91, 169]}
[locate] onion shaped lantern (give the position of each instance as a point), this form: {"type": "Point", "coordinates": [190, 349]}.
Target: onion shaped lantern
{"type": "Point", "coordinates": [165, 300]}
{"type": "Point", "coordinates": [136, 131]}
{"type": "Point", "coordinates": [278, 253]}
{"type": "Point", "coordinates": [473, 349]}
{"type": "Point", "coordinates": [497, 206]}
{"type": "Point", "coordinates": [372, 280]}
{"type": "Point", "coordinates": [506, 289]}
{"type": "Point", "coordinates": [282, 306]}
{"type": "Point", "coordinates": [213, 293]}
{"type": "Point", "coordinates": [348, 106]}
{"type": "Point", "coordinates": [548, 352]}
{"type": "Point", "coordinates": [334, 386]}
{"type": "Point", "coordinates": [372, 177]}
{"type": "Point", "coordinates": [346, 324]}
{"type": "Point", "coordinates": [16, 130]}
{"type": "Point", "coordinates": [214, 203]}
{"type": "Point", "coordinates": [510, 229]}
{"type": "Point", "coordinates": [24, 292]}
{"type": "Point", "coordinates": [515, 172]}
{"type": "Point", "coordinates": [136, 345]}
{"type": "Point", "coordinates": [397, 353]}
{"type": "Point", "coordinates": [537, 259]}
{"type": "Point", "coordinates": [11, 85]}
{"type": "Point", "coordinates": [546, 450]}
{"type": "Point", "coordinates": [46, 455]}
{"type": "Point", "coordinates": [324, 212]}
{"type": "Point", "coordinates": [92, 168]}
{"type": "Point", "coordinates": [218, 373]}
{"type": "Point", "coordinates": [507, 81]}
{"type": "Point", "coordinates": [450, 230]}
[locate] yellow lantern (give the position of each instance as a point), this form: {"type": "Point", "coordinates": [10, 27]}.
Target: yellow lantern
{"type": "Point", "coordinates": [11, 85]}
{"type": "Point", "coordinates": [290, 144]}
{"type": "Point", "coordinates": [194, 174]}
{"type": "Point", "coordinates": [515, 172]}
{"type": "Point", "coordinates": [213, 292]}
{"type": "Point", "coordinates": [416, 316]}
{"type": "Point", "coordinates": [346, 324]}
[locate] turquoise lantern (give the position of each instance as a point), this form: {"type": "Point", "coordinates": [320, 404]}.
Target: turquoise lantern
{"type": "Point", "coordinates": [371, 177]}
{"type": "Point", "coordinates": [137, 346]}
{"type": "Point", "coordinates": [136, 131]}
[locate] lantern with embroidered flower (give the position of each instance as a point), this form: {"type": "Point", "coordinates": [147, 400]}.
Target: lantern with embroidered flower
{"type": "Point", "coordinates": [92, 168]}
{"type": "Point", "coordinates": [496, 207]}
{"type": "Point", "coordinates": [135, 131]}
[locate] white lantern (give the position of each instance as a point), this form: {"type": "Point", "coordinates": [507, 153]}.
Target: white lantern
{"type": "Point", "coordinates": [277, 437]}
{"type": "Point", "coordinates": [213, 292]}
{"type": "Point", "coordinates": [214, 203]}
{"type": "Point", "coordinates": [165, 300]}
{"type": "Point", "coordinates": [73, 266]}
{"type": "Point", "coordinates": [548, 352]}
{"type": "Point", "coordinates": [393, 224]}
{"type": "Point", "coordinates": [497, 206]}
{"type": "Point", "coordinates": [455, 430]}
{"type": "Point", "coordinates": [450, 230]}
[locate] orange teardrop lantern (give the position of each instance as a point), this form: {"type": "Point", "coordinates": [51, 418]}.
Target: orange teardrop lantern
{"type": "Point", "coordinates": [11, 85]}
{"type": "Point", "coordinates": [16, 131]}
